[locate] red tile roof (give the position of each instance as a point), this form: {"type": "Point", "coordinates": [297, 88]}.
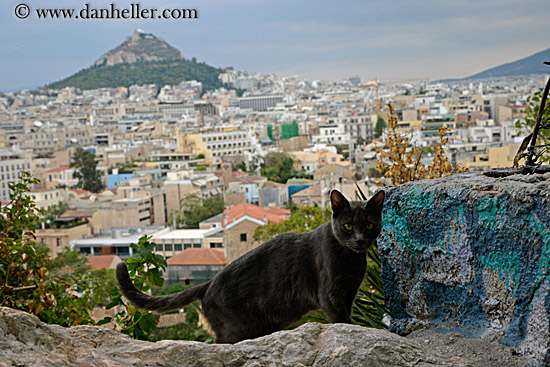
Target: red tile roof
{"type": "Point", "coordinates": [102, 261]}
{"type": "Point", "coordinates": [278, 211]}
{"type": "Point", "coordinates": [253, 211]}
{"type": "Point", "coordinates": [198, 256]}
{"type": "Point", "coordinates": [59, 169]}
{"type": "Point", "coordinates": [80, 192]}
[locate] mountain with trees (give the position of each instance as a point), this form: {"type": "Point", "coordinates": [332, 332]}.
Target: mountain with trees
{"type": "Point", "coordinates": [141, 59]}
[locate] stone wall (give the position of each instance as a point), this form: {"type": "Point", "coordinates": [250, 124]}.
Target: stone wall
{"type": "Point", "coordinates": [471, 253]}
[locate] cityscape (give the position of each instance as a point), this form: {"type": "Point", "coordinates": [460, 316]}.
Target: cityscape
{"type": "Point", "coordinates": [163, 146]}
{"type": "Point", "coordinates": [155, 146]}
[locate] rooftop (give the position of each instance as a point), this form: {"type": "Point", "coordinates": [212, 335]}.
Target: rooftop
{"type": "Point", "coordinates": [182, 234]}
{"type": "Point", "coordinates": [253, 211]}
{"type": "Point", "coordinates": [103, 261]}
{"type": "Point", "coordinates": [198, 256]}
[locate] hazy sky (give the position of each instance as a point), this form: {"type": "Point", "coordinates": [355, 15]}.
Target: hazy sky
{"type": "Point", "coordinates": [330, 40]}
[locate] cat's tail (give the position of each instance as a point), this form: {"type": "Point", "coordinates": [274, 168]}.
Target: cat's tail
{"type": "Point", "coordinates": [152, 303]}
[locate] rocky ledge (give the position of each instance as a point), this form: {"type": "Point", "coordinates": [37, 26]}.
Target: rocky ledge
{"type": "Point", "coordinates": [26, 341]}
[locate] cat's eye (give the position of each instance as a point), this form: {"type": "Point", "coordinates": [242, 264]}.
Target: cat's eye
{"type": "Point", "coordinates": [348, 227]}
{"type": "Point", "coordinates": [369, 226]}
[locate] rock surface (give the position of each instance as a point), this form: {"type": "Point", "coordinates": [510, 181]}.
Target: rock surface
{"type": "Point", "coordinates": [140, 46]}
{"type": "Point", "coordinates": [25, 341]}
{"type": "Point", "coordinates": [471, 253]}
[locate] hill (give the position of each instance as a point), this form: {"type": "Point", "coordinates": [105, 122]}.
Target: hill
{"type": "Point", "coordinates": [161, 73]}
{"type": "Point", "coordinates": [140, 46]}
{"type": "Point", "coordinates": [529, 65]}
{"type": "Point", "coordinates": [142, 59]}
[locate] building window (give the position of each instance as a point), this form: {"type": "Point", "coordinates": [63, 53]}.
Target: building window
{"type": "Point", "coordinates": [197, 245]}
{"type": "Point", "coordinates": [159, 248]}
{"type": "Point", "coordinates": [243, 237]}
{"type": "Point", "coordinates": [178, 247]}
{"type": "Point", "coordinates": [186, 246]}
{"type": "Point", "coordinates": [124, 251]}
{"type": "Point", "coordinates": [168, 247]}
{"type": "Point", "coordinates": [58, 242]}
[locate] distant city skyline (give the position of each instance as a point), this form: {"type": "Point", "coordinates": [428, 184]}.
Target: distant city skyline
{"type": "Point", "coordinates": [385, 40]}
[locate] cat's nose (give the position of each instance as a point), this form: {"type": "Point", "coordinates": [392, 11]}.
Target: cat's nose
{"type": "Point", "coordinates": [361, 242]}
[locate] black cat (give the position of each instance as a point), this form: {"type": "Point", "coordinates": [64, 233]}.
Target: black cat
{"type": "Point", "coordinates": [273, 285]}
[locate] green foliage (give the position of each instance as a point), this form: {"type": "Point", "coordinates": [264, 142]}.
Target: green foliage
{"type": "Point", "coordinates": [241, 166]}
{"type": "Point", "coordinates": [291, 206]}
{"type": "Point", "coordinates": [528, 123]}
{"type": "Point", "coordinates": [28, 281]}
{"type": "Point", "coordinates": [102, 282]}
{"type": "Point", "coordinates": [278, 167]}
{"type": "Point", "coordinates": [369, 306]}
{"type": "Point", "coordinates": [50, 214]}
{"type": "Point", "coordinates": [68, 259]}
{"type": "Point", "coordinates": [87, 174]}
{"type": "Point", "coordinates": [144, 267]}
{"type": "Point", "coordinates": [197, 209]}
{"type": "Point", "coordinates": [340, 150]}
{"type": "Point", "coordinates": [124, 167]}
{"type": "Point", "coordinates": [303, 219]}
{"type": "Point", "coordinates": [168, 289]}
{"type": "Point", "coordinates": [240, 92]}
{"type": "Point", "coordinates": [380, 126]}
{"type": "Point", "coordinates": [188, 330]}
{"type": "Point", "coordinates": [161, 72]}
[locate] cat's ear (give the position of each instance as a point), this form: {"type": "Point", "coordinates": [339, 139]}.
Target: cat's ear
{"type": "Point", "coordinates": [377, 201]}
{"type": "Point", "coordinates": [338, 201]}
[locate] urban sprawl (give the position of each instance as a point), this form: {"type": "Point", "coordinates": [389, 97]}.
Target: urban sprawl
{"type": "Point", "coordinates": [156, 145]}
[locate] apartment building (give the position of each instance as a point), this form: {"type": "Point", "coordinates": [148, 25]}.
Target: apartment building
{"type": "Point", "coordinates": [113, 241]}
{"type": "Point", "coordinates": [171, 242]}
{"type": "Point", "coordinates": [11, 166]}
{"type": "Point", "coordinates": [332, 134]}
{"type": "Point", "coordinates": [357, 124]}
{"type": "Point", "coordinates": [216, 142]}
{"type": "Point", "coordinates": [60, 176]}
{"type": "Point", "coordinates": [47, 139]}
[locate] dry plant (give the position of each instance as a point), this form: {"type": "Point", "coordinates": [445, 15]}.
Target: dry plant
{"type": "Point", "coordinates": [404, 161]}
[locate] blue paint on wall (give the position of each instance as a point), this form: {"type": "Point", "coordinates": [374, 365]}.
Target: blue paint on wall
{"type": "Point", "coordinates": [468, 254]}
{"type": "Point", "coordinates": [115, 180]}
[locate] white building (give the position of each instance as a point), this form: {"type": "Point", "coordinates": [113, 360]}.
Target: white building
{"type": "Point", "coordinates": [11, 166]}
{"type": "Point", "coordinates": [332, 134]}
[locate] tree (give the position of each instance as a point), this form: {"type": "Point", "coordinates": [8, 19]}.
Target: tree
{"type": "Point", "coordinates": [50, 215]}
{"type": "Point", "coordinates": [188, 330]}
{"type": "Point", "coordinates": [380, 126]}
{"type": "Point", "coordinates": [197, 209]}
{"type": "Point", "coordinates": [87, 174]}
{"type": "Point", "coordinates": [278, 167]}
{"type": "Point", "coordinates": [26, 281]}
{"type": "Point", "coordinates": [303, 219]}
